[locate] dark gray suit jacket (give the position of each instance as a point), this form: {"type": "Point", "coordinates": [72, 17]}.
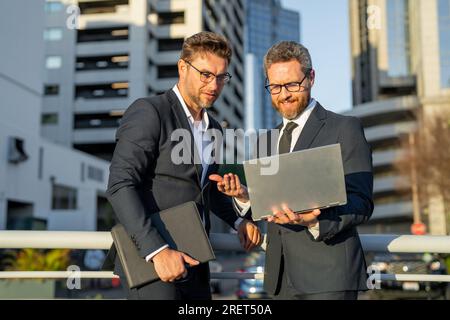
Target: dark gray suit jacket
{"type": "Point", "coordinates": [143, 179]}
{"type": "Point", "coordinates": [335, 260]}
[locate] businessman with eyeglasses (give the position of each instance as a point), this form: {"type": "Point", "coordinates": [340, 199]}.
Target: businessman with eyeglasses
{"type": "Point", "coordinates": [315, 255]}
{"type": "Point", "coordinates": [144, 178]}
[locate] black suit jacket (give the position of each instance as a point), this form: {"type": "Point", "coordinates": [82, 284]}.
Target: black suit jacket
{"type": "Point", "coordinates": [143, 178]}
{"type": "Point", "coordinates": [335, 260]}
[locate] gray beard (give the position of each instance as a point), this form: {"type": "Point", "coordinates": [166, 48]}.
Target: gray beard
{"type": "Point", "coordinates": [200, 104]}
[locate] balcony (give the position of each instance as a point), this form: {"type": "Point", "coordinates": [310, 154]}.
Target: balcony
{"type": "Point", "coordinates": [392, 210]}
{"type": "Point", "coordinates": [389, 131]}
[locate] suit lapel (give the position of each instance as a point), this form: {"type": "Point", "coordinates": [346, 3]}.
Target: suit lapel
{"type": "Point", "coordinates": [312, 127]}
{"type": "Point", "coordinates": [183, 122]}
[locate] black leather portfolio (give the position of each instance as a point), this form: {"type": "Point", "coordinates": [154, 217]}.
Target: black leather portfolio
{"type": "Point", "coordinates": [181, 227]}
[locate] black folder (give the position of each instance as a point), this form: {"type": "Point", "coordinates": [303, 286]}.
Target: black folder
{"type": "Point", "coordinates": [181, 227]}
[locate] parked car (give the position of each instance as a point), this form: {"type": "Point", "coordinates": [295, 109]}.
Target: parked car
{"type": "Point", "coordinates": [252, 288]}
{"type": "Point", "coordinates": [411, 264]}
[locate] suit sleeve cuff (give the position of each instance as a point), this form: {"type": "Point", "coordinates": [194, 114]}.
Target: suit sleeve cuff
{"type": "Point", "coordinates": [241, 207]}
{"type": "Point", "coordinates": [154, 253]}
{"type": "Point", "coordinates": [237, 223]}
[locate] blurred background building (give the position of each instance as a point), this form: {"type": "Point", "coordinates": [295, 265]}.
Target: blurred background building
{"type": "Point", "coordinates": [401, 66]}
{"type": "Point", "coordinates": [267, 23]}
{"type": "Point", "coordinates": [42, 185]}
{"type": "Point", "coordinates": [85, 61]}
{"type": "Point", "coordinates": [121, 50]}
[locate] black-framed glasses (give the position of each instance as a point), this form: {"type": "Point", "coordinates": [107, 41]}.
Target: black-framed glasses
{"type": "Point", "coordinates": [207, 77]}
{"type": "Point", "coordinates": [291, 87]}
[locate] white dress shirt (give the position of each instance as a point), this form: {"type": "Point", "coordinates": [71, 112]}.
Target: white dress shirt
{"type": "Point", "coordinates": [199, 131]}
{"type": "Point", "coordinates": [300, 121]}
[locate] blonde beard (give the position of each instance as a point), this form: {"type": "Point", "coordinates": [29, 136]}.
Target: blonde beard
{"type": "Point", "coordinates": [199, 103]}
{"type": "Point", "coordinates": [298, 111]}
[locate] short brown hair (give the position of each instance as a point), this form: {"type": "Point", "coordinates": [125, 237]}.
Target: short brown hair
{"type": "Point", "coordinates": [285, 51]}
{"type": "Point", "coordinates": [206, 42]}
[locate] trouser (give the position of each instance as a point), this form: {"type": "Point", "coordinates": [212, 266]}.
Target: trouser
{"type": "Point", "coordinates": [286, 290]}
{"type": "Point", "coordinates": [194, 287]}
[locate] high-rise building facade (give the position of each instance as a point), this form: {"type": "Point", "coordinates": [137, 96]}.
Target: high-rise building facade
{"type": "Point", "coordinates": [266, 24]}
{"type": "Point", "coordinates": [401, 65]}
{"type": "Point", "coordinates": [102, 55]}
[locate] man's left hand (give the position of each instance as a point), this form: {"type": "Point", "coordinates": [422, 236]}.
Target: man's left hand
{"type": "Point", "coordinates": [231, 186]}
{"type": "Point", "coordinates": [287, 216]}
{"type": "Point", "coordinates": [249, 235]}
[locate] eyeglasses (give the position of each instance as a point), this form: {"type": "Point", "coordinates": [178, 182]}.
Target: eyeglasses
{"type": "Point", "coordinates": [207, 77]}
{"type": "Point", "coordinates": [291, 87]}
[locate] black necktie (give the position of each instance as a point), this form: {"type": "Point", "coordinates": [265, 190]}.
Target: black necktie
{"type": "Point", "coordinates": [286, 138]}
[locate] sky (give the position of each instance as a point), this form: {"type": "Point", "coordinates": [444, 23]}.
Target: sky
{"type": "Point", "coordinates": [324, 30]}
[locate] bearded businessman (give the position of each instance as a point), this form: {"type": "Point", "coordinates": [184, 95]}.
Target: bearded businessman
{"type": "Point", "coordinates": [145, 179]}
{"type": "Point", "coordinates": [315, 255]}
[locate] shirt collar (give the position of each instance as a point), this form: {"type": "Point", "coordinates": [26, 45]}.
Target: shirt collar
{"type": "Point", "coordinates": [205, 117]}
{"type": "Point", "coordinates": [303, 117]}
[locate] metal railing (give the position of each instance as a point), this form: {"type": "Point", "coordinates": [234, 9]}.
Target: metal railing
{"type": "Point", "coordinates": [220, 242]}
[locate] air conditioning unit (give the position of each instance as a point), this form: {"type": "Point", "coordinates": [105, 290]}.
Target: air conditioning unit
{"type": "Point", "coordinates": [16, 150]}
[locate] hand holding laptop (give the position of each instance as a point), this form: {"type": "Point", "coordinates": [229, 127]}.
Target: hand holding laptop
{"type": "Point", "coordinates": [231, 186]}
{"type": "Point", "coordinates": [304, 181]}
{"type": "Point", "coordinates": [287, 216]}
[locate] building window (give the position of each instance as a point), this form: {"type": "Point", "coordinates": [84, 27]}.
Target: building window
{"type": "Point", "coordinates": [49, 118]}
{"type": "Point", "coordinates": [170, 44]}
{"type": "Point", "coordinates": [398, 38]}
{"type": "Point", "coordinates": [51, 90]}
{"type": "Point", "coordinates": [64, 198]}
{"type": "Point", "coordinates": [41, 163]}
{"type": "Point", "coordinates": [95, 174]}
{"type": "Point", "coordinates": [96, 7]}
{"type": "Point", "coordinates": [103, 34]}
{"type": "Point", "coordinates": [119, 61]}
{"type": "Point", "coordinates": [237, 94]}
{"type": "Point", "coordinates": [96, 120]}
{"type": "Point", "coordinates": [165, 72]}
{"type": "Point", "coordinates": [238, 113]}
{"type": "Point", "coordinates": [53, 34]}
{"type": "Point", "coordinates": [113, 90]}
{"type": "Point", "coordinates": [100, 150]}
{"type": "Point", "coordinates": [53, 6]}
{"type": "Point", "coordinates": [167, 18]}
{"type": "Point", "coordinates": [53, 62]}
{"type": "Point", "coordinates": [238, 17]}
{"type": "Point", "coordinates": [444, 35]}
{"type": "Point", "coordinates": [210, 12]}
{"type": "Point", "coordinates": [82, 172]}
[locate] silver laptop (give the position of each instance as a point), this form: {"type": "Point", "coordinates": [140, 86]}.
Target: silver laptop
{"type": "Point", "coordinates": [303, 180]}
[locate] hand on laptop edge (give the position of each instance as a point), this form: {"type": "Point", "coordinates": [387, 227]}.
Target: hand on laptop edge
{"type": "Point", "coordinates": [287, 216]}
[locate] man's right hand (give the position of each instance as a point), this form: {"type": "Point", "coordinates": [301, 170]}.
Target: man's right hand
{"type": "Point", "coordinates": [170, 264]}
